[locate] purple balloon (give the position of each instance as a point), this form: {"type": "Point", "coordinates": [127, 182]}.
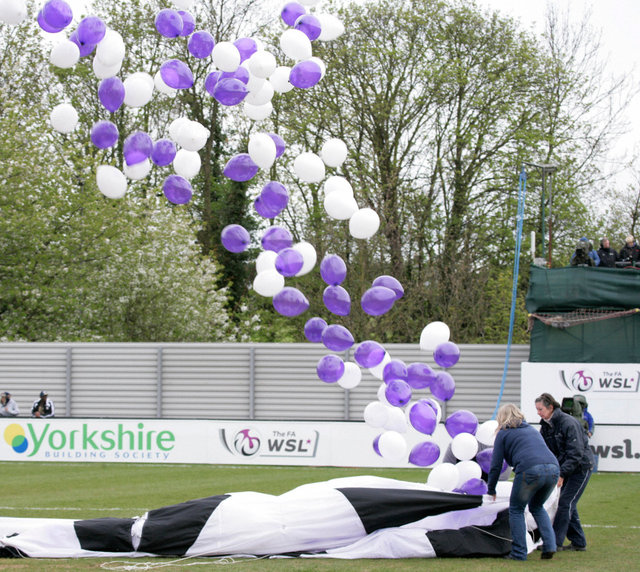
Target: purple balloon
{"type": "Point", "coordinates": [211, 80]}
{"type": "Point", "coordinates": [446, 354]}
{"type": "Point", "coordinates": [422, 417]}
{"type": "Point", "coordinates": [275, 197]}
{"type": "Point", "coordinates": [177, 190]}
{"type": "Point", "coordinates": [176, 74]}
{"type": "Point", "coordinates": [337, 300]}
{"type": "Point", "coordinates": [483, 458]}
{"type": "Point", "coordinates": [378, 300]}
{"type": "Point", "coordinates": [111, 93]}
{"type": "Point", "coordinates": [200, 44]}
{"type": "Point", "coordinates": [137, 147]}
{"type": "Point", "coordinates": [240, 168]}
{"type": "Point", "coordinates": [390, 282]}
{"type": "Point", "coordinates": [104, 134]}
{"type": "Point", "coordinates": [398, 392]}
{"type": "Point", "coordinates": [169, 23]}
{"type": "Point", "coordinates": [57, 14]}
{"type": "Point", "coordinates": [276, 238]}
{"type": "Point", "coordinates": [91, 30]}
{"type": "Point", "coordinates": [163, 152]}
{"type": "Point", "coordinates": [309, 25]}
{"type": "Point", "coordinates": [369, 354]}
{"type": "Point", "coordinates": [420, 375]}
{"type": "Point", "coordinates": [424, 454]}
{"type": "Point", "coordinates": [330, 368]}
{"type": "Point", "coordinates": [240, 73]}
{"type": "Point", "coordinates": [461, 421]}
{"type": "Point", "coordinates": [290, 302]}
{"type": "Point", "coordinates": [313, 329]}
{"type": "Point", "coordinates": [230, 91]}
{"type": "Point", "coordinates": [291, 12]}
{"type": "Point", "coordinates": [305, 74]}
{"type": "Point", "coordinates": [280, 144]}
{"type": "Point", "coordinates": [188, 23]}
{"type": "Point", "coordinates": [395, 369]}
{"type": "Point", "coordinates": [473, 487]}
{"type": "Point", "coordinates": [289, 262]}
{"type": "Point", "coordinates": [376, 447]}
{"type": "Point", "coordinates": [337, 338]}
{"type": "Point", "coordinates": [235, 238]}
{"type": "Point", "coordinates": [247, 47]}
{"type": "Point", "coordinates": [333, 269]}
{"type": "Point", "coordinates": [46, 26]}
{"type": "Point", "coordinates": [84, 48]}
{"type": "Point", "coordinates": [443, 386]}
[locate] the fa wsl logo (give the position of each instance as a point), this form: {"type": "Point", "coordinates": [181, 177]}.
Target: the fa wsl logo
{"type": "Point", "coordinates": [581, 380]}
{"type": "Point", "coordinates": [246, 442]}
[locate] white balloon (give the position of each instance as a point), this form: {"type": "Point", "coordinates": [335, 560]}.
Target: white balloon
{"type": "Point", "coordinates": [396, 420]}
{"type": "Point", "coordinates": [103, 71]}
{"type": "Point", "coordinates": [375, 414]}
{"type": "Point", "coordinates": [262, 64]}
{"type": "Point", "coordinates": [331, 27]}
{"type": "Point", "coordinates": [137, 171]}
{"type": "Point", "coordinates": [13, 12]}
{"type": "Point", "coordinates": [187, 163]}
{"type": "Point", "coordinates": [191, 135]}
{"type": "Point", "coordinates": [351, 377]}
{"type": "Point", "coordinates": [111, 182]}
{"type": "Point", "coordinates": [378, 369]}
{"type": "Point", "coordinates": [226, 56]}
{"type": "Point", "coordinates": [309, 168]}
{"type": "Point", "coordinates": [486, 433]}
{"type": "Point", "coordinates": [162, 87]}
{"type": "Point", "coordinates": [443, 476]}
{"type": "Point", "coordinates": [255, 83]}
{"type": "Point", "coordinates": [392, 446]}
{"type": "Point", "coordinates": [111, 49]}
{"type": "Point", "coordinates": [262, 149]}
{"type": "Point", "coordinates": [261, 95]}
{"type": "Point", "coordinates": [63, 118]}
{"type": "Point", "coordinates": [464, 446]}
{"type": "Point", "coordinates": [138, 89]}
{"type": "Point", "coordinates": [279, 79]}
{"type": "Point", "coordinates": [336, 183]}
{"type": "Point", "coordinates": [309, 257]}
{"type": "Point", "coordinates": [434, 334]}
{"type": "Point", "coordinates": [176, 126]}
{"type": "Point", "coordinates": [467, 470]}
{"type": "Point", "coordinates": [295, 44]}
{"type": "Point", "coordinates": [266, 261]}
{"type": "Point", "coordinates": [334, 152]}
{"type": "Point", "coordinates": [364, 223]}
{"type": "Point", "coordinates": [65, 54]}
{"type": "Point", "coordinates": [258, 112]}
{"type": "Point", "coordinates": [340, 207]}
{"type": "Point", "coordinates": [268, 283]}
{"type": "Point", "coordinates": [381, 394]}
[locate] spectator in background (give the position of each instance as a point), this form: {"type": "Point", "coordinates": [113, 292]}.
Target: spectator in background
{"type": "Point", "coordinates": [43, 407]}
{"type": "Point", "coordinates": [608, 255]}
{"type": "Point", "coordinates": [630, 252]}
{"type": "Point", "coordinates": [8, 407]}
{"type": "Point", "coordinates": [582, 255]}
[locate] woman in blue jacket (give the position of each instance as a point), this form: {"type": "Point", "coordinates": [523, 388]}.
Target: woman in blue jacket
{"type": "Point", "coordinates": [536, 474]}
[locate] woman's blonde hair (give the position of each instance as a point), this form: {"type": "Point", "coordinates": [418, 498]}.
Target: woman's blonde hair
{"type": "Point", "coordinates": [509, 416]}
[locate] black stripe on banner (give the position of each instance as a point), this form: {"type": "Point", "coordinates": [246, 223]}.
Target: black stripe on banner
{"type": "Point", "coordinates": [171, 530]}
{"type": "Point", "coordinates": [105, 534]}
{"type": "Point", "coordinates": [385, 508]}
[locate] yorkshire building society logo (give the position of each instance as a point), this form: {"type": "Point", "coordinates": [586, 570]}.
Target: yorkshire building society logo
{"type": "Point", "coordinates": [581, 380]}
{"type": "Point", "coordinates": [15, 437]}
{"type": "Point", "coordinates": [277, 443]}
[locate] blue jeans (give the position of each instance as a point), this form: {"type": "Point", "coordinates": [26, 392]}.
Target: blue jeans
{"type": "Point", "coordinates": [532, 487]}
{"type": "Point", "coordinates": [567, 521]}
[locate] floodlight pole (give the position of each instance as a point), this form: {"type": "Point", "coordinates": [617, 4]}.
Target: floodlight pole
{"type": "Point", "coordinates": [545, 169]}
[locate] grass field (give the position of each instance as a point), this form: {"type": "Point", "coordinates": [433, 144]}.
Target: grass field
{"type": "Point", "coordinates": [609, 510]}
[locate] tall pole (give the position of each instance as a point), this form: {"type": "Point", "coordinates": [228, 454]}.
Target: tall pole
{"type": "Point", "coordinates": [542, 221]}
{"type": "Point", "coordinates": [545, 169]}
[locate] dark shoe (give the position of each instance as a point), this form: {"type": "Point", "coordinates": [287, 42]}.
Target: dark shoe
{"type": "Point", "coordinates": [509, 557]}
{"type": "Point", "coordinates": [573, 547]}
{"type": "Point", "coordinates": [547, 555]}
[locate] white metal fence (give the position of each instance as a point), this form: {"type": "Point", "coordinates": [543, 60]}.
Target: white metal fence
{"type": "Point", "coordinates": [227, 381]}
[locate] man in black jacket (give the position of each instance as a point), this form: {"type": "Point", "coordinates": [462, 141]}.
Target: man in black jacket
{"type": "Point", "coordinates": [608, 255]}
{"type": "Point", "coordinates": [568, 441]}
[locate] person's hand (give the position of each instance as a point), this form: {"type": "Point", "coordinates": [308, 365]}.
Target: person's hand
{"type": "Point", "coordinates": [37, 414]}
{"type": "Point", "coordinates": [560, 482]}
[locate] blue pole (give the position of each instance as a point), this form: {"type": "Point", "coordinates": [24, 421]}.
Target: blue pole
{"type": "Point", "coordinates": [522, 191]}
